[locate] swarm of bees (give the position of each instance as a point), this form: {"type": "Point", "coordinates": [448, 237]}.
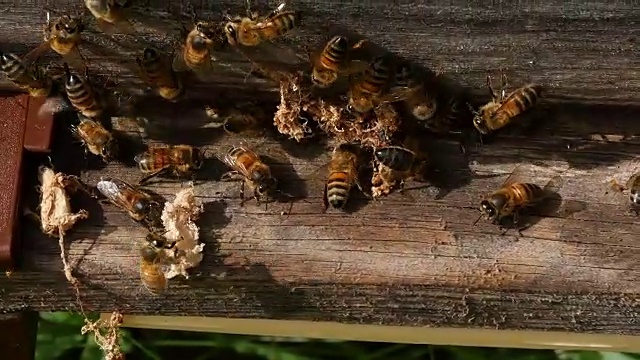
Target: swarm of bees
{"type": "Point", "coordinates": [365, 101]}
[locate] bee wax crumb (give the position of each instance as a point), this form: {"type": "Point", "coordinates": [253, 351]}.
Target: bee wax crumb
{"type": "Point", "coordinates": [178, 218]}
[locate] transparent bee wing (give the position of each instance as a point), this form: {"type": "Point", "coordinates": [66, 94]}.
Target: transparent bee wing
{"type": "Point", "coordinates": [179, 64]}
{"type": "Point", "coordinates": [34, 54]}
{"type": "Point", "coordinates": [397, 93]}
{"type": "Point", "coordinates": [554, 184]}
{"type": "Point", "coordinates": [74, 59]}
{"type": "Point", "coordinates": [354, 66]}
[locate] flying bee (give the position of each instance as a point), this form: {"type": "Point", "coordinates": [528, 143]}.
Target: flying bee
{"type": "Point", "coordinates": [252, 30]}
{"type": "Point", "coordinates": [633, 186]}
{"type": "Point", "coordinates": [110, 15]}
{"type": "Point", "coordinates": [32, 78]}
{"type": "Point", "coordinates": [151, 256]}
{"type": "Point", "coordinates": [343, 174]}
{"type": "Point", "coordinates": [62, 35]}
{"type": "Point", "coordinates": [196, 53]}
{"type": "Point", "coordinates": [419, 100]}
{"type": "Point", "coordinates": [82, 95]}
{"type": "Point", "coordinates": [255, 173]}
{"type": "Point", "coordinates": [141, 206]}
{"type": "Point", "coordinates": [370, 89]}
{"type": "Point", "coordinates": [158, 73]}
{"type": "Point", "coordinates": [334, 60]}
{"type": "Point", "coordinates": [502, 109]}
{"type": "Point", "coordinates": [181, 160]}
{"type": "Point", "coordinates": [513, 197]}
{"type": "Point", "coordinates": [96, 139]}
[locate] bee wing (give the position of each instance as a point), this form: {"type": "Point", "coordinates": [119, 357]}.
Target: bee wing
{"type": "Point", "coordinates": [205, 71]}
{"type": "Point", "coordinates": [179, 64]}
{"type": "Point", "coordinates": [554, 184]}
{"type": "Point", "coordinates": [354, 66]}
{"type": "Point", "coordinates": [74, 59]}
{"type": "Point", "coordinates": [397, 93]}
{"type": "Point", "coordinates": [34, 54]}
{"type": "Point", "coordinates": [113, 189]}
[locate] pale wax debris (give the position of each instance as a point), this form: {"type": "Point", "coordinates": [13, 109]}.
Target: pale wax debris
{"type": "Point", "coordinates": [56, 216]}
{"type": "Point", "coordinates": [178, 218]}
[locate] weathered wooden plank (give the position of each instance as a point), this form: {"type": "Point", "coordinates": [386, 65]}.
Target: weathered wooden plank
{"type": "Point", "coordinates": [405, 260]}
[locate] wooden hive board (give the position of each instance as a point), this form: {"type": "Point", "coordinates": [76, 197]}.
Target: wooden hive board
{"type": "Point", "coordinates": [404, 260]}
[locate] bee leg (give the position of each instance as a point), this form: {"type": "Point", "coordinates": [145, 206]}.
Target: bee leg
{"type": "Point", "coordinates": [504, 84]}
{"type": "Point", "coordinates": [325, 201]}
{"type": "Point", "coordinates": [147, 177]}
{"type": "Point", "coordinates": [230, 176]}
{"type": "Point", "coordinates": [492, 92]}
{"type": "Point", "coordinates": [242, 199]}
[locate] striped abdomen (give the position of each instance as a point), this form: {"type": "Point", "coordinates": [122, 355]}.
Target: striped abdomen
{"type": "Point", "coordinates": [334, 52]}
{"type": "Point", "coordinates": [279, 25]}
{"type": "Point", "coordinates": [375, 77]}
{"type": "Point", "coordinates": [152, 277]}
{"type": "Point", "coordinates": [339, 184]}
{"type": "Point", "coordinates": [634, 190]}
{"type": "Point", "coordinates": [14, 68]}
{"type": "Point", "coordinates": [160, 75]}
{"type": "Point", "coordinates": [241, 157]}
{"type": "Point", "coordinates": [196, 51]}
{"type": "Point", "coordinates": [82, 96]}
{"type": "Point", "coordinates": [154, 159]}
{"type": "Point", "coordinates": [524, 194]}
{"type": "Point", "coordinates": [518, 102]}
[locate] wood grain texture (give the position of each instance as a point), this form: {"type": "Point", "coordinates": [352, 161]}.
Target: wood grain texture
{"type": "Point", "coordinates": [403, 260]}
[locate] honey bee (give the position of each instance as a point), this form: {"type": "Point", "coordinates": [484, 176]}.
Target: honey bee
{"type": "Point", "coordinates": [255, 173]}
{"type": "Point", "coordinates": [334, 60]}
{"type": "Point", "coordinates": [62, 35]}
{"type": "Point", "coordinates": [141, 206]}
{"type": "Point", "coordinates": [370, 89]}
{"type": "Point", "coordinates": [513, 197]}
{"type": "Point", "coordinates": [252, 30]}
{"type": "Point", "coordinates": [158, 73]}
{"type": "Point", "coordinates": [96, 139]}
{"type": "Point", "coordinates": [33, 79]}
{"type": "Point", "coordinates": [151, 273]}
{"type": "Point", "coordinates": [502, 109]}
{"type": "Point", "coordinates": [633, 186]}
{"type": "Point", "coordinates": [397, 164]}
{"type": "Point", "coordinates": [343, 174]}
{"type": "Point", "coordinates": [421, 102]}
{"type": "Point", "coordinates": [82, 95]}
{"type": "Point", "coordinates": [181, 160]}
{"type": "Point", "coordinates": [110, 15]}
{"type": "Point", "coordinates": [196, 53]}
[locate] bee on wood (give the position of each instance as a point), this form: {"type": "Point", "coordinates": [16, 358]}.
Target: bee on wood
{"type": "Point", "coordinates": [343, 174]}
{"type": "Point", "coordinates": [420, 101]}
{"type": "Point", "coordinates": [62, 35]}
{"type": "Point", "coordinates": [158, 73]}
{"type": "Point", "coordinates": [151, 256]}
{"type": "Point", "coordinates": [252, 30]}
{"type": "Point", "coordinates": [110, 15]}
{"type": "Point", "coordinates": [82, 95]}
{"type": "Point", "coordinates": [371, 89]}
{"type": "Point", "coordinates": [196, 53]}
{"type": "Point", "coordinates": [513, 197]}
{"type": "Point", "coordinates": [255, 173]}
{"type": "Point", "coordinates": [334, 60]}
{"type": "Point", "coordinates": [396, 165]}
{"type": "Point", "coordinates": [502, 109]}
{"type": "Point", "coordinates": [181, 160]}
{"type": "Point", "coordinates": [96, 139]}
{"type": "Point", "coordinates": [32, 78]}
{"type": "Point", "coordinates": [633, 186]}
{"type": "Point", "coordinates": [141, 206]}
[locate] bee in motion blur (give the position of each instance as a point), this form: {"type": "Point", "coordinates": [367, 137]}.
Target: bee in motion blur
{"type": "Point", "coordinates": [256, 174]}
{"type": "Point", "coordinates": [62, 35]}
{"type": "Point", "coordinates": [395, 165]}
{"type": "Point", "coordinates": [334, 60]}
{"type": "Point", "coordinates": [417, 97]}
{"type": "Point", "coordinates": [513, 197]}
{"type": "Point", "coordinates": [372, 88]}
{"type": "Point", "coordinates": [141, 206]}
{"type": "Point", "coordinates": [110, 15]}
{"type": "Point", "coordinates": [181, 160]}
{"type": "Point", "coordinates": [502, 109]}
{"type": "Point", "coordinates": [253, 30]}
{"type": "Point", "coordinates": [156, 71]}
{"type": "Point", "coordinates": [81, 94]}
{"type": "Point", "coordinates": [96, 139]}
{"type": "Point", "coordinates": [152, 256]}
{"type": "Point", "coordinates": [31, 78]}
{"type": "Point", "coordinates": [633, 186]}
{"type": "Point", "coordinates": [196, 53]}
{"type": "Point", "coordinates": [343, 174]}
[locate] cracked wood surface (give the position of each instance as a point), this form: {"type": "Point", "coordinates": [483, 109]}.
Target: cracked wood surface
{"type": "Point", "coordinates": [415, 259]}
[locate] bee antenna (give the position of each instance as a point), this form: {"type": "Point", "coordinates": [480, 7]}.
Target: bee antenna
{"type": "Point", "coordinates": [473, 111]}
{"type": "Point", "coordinates": [478, 219]}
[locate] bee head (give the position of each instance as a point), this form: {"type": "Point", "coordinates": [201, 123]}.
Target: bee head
{"type": "Point", "coordinates": [491, 207]}
{"type": "Point", "coordinates": [109, 150]}
{"type": "Point", "coordinates": [634, 196]}
{"type": "Point", "coordinates": [159, 241]}
{"type": "Point", "coordinates": [72, 79]}
{"type": "Point", "coordinates": [142, 206]}
{"type": "Point", "coordinates": [5, 59]}
{"type": "Point", "coordinates": [266, 186]}
{"type": "Point", "coordinates": [149, 253]}
{"type": "Point", "coordinates": [149, 54]}
{"type": "Point", "coordinates": [230, 30]}
{"type": "Point", "coordinates": [480, 124]}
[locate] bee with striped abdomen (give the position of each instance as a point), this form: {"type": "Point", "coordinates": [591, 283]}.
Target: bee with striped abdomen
{"type": "Point", "coordinates": [152, 255]}
{"type": "Point", "coordinates": [633, 186]}
{"type": "Point", "coordinates": [181, 160]}
{"type": "Point", "coordinates": [343, 169]}
{"type": "Point", "coordinates": [96, 139]}
{"type": "Point", "coordinates": [82, 95]}
{"type": "Point", "coordinates": [158, 73]}
{"type": "Point", "coordinates": [62, 35]}
{"type": "Point", "coordinates": [502, 109]}
{"type": "Point", "coordinates": [110, 15]}
{"type": "Point", "coordinates": [141, 206]}
{"type": "Point", "coordinates": [396, 165]}
{"type": "Point", "coordinates": [418, 99]}
{"type": "Point", "coordinates": [32, 78]}
{"type": "Point", "coordinates": [255, 173]}
{"type": "Point", "coordinates": [196, 53]}
{"type": "Point", "coordinates": [333, 60]}
{"type": "Point", "coordinates": [253, 30]}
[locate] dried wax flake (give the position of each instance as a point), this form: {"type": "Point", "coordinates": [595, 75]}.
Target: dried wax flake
{"type": "Point", "coordinates": [287, 117]}
{"type": "Point", "coordinates": [382, 182]}
{"type": "Point", "coordinates": [178, 218]}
